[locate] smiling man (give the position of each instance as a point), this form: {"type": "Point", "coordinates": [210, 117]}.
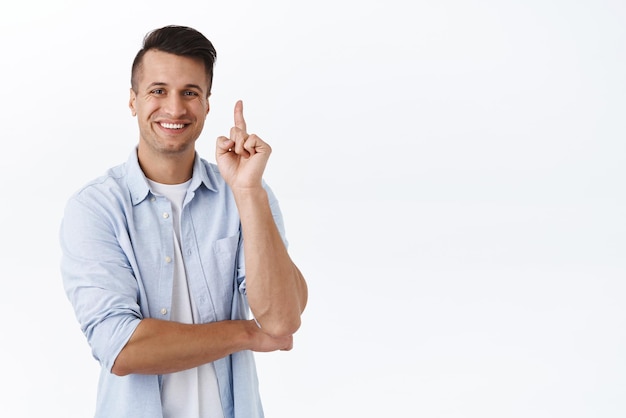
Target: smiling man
{"type": "Point", "coordinates": [177, 268]}
{"type": "Point", "coordinates": [170, 110]}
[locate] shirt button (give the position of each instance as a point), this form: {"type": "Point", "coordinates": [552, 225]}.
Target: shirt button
{"type": "Point", "coordinates": [152, 199]}
{"type": "Point", "coordinates": [166, 215]}
{"type": "Point", "coordinates": [168, 259]}
{"type": "Point", "coordinates": [163, 311]}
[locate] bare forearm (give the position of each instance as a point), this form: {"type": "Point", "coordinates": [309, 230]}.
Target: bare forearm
{"type": "Point", "coordinates": [159, 347]}
{"type": "Point", "coordinates": [277, 291]}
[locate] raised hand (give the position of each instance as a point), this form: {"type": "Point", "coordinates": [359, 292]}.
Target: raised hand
{"type": "Point", "coordinates": [242, 157]}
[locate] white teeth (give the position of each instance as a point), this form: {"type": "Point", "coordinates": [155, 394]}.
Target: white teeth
{"type": "Point", "coordinates": [173, 125]}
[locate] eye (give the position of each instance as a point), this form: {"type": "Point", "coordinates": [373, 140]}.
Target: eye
{"type": "Point", "coordinates": [190, 93]}
{"type": "Point", "coordinates": [157, 91]}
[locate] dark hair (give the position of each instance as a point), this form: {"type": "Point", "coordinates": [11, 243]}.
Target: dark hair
{"type": "Point", "coordinates": [177, 40]}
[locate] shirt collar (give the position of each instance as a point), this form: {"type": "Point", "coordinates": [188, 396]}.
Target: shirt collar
{"type": "Point", "coordinates": [138, 184]}
{"type": "Point", "coordinates": [202, 174]}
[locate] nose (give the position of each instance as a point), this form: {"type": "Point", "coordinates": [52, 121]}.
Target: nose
{"type": "Point", "coordinates": [174, 106]}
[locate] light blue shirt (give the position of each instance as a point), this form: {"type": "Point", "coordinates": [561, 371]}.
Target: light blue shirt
{"type": "Point", "coordinates": [117, 267]}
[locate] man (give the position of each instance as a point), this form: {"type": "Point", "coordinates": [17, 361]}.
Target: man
{"type": "Point", "coordinates": [165, 256]}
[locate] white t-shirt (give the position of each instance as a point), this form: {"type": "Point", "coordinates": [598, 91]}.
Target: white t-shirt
{"type": "Point", "coordinates": [191, 393]}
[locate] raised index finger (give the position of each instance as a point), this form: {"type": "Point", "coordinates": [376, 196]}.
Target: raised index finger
{"type": "Point", "coordinates": [239, 120]}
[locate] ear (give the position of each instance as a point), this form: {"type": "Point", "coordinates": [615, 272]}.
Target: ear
{"type": "Point", "coordinates": [132, 101]}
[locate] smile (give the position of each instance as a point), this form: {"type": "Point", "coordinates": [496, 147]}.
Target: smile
{"type": "Point", "coordinates": [173, 125]}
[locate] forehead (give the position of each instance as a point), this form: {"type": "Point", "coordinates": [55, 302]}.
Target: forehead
{"type": "Point", "coordinates": [163, 67]}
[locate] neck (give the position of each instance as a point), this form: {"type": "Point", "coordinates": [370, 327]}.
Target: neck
{"type": "Point", "coordinates": [173, 168]}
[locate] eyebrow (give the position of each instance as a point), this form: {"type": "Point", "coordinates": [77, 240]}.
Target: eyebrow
{"type": "Point", "coordinates": [162, 84]}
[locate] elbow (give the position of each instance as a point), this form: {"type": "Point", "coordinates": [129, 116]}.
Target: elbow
{"type": "Point", "coordinates": [119, 367]}
{"type": "Point", "coordinates": [291, 327]}
{"type": "Point", "coordinates": [119, 372]}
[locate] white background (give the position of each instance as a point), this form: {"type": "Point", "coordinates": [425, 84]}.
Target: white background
{"type": "Point", "coordinates": [451, 175]}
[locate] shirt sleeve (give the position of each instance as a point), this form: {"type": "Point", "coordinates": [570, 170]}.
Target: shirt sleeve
{"type": "Point", "coordinates": [98, 279]}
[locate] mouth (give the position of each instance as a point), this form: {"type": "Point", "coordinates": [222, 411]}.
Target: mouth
{"type": "Point", "coordinates": [172, 126]}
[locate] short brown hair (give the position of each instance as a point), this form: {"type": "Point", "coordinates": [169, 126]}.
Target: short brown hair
{"type": "Point", "coordinates": [177, 40]}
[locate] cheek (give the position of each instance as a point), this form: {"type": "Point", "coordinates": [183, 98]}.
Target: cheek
{"type": "Point", "coordinates": [203, 104]}
{"type": "Point", "coordinates": [146, 109]}
{"type": "Point", "coordinates": [202, 110]}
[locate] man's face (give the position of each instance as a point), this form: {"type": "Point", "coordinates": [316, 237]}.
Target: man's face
{"type": "Point", "coordinates": [170, 103]}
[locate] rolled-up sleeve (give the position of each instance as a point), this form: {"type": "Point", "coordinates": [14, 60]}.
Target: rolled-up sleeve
{"type": "Point", "coordinates": [98, 279]}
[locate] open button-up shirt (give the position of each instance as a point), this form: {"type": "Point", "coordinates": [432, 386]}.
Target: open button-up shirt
{"type": "Point", "coordinates": [117, 244]}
